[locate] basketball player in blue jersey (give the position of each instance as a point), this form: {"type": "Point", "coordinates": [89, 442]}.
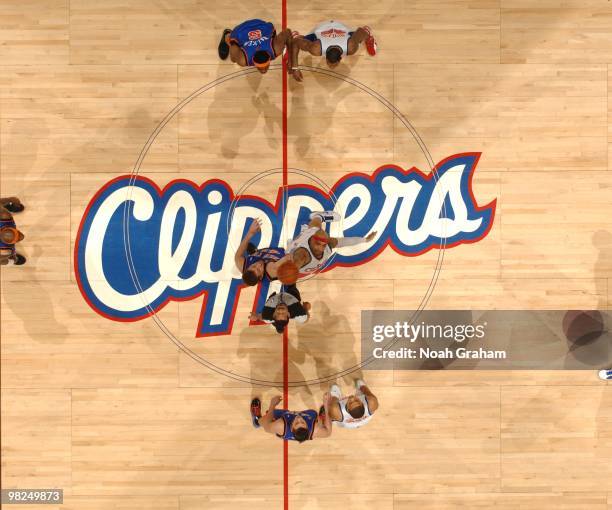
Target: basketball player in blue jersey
{"type": "Point", "coordinates": [9, 234]}
{"type": "Point", "coordinates": [292, 425]}
{"type": "Point", "coordinates": [254, 43]}
{"type": "Point", "coordinates": [332, 39]}
{"type": "Point", "coordinates": [254, 264]}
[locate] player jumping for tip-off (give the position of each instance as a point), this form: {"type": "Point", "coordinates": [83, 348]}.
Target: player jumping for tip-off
{"type": "Point", "coordinates": [331, 39]}
{"type": "Point", "coordinates": [291, 425]}
{"type": "Point", "coordinates": [311, 249]}
{"type": "Point", "coordinates": [257, 265]}
{"type": "Point", "coordinates": [352, 411]}
{"type": "Point", "coordinates": [254, 43]}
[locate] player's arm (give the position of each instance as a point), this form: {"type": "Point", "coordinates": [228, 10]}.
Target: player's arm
{"type": "Point", "coordinates": [324, 428]}
{"type": "Point", "coordinates": [300, 257]}
{"type": "Point", "coordinates": [359, 35]}
{"type": "Point", "coordinates": [282, 40]}
{"type": "Point", "coordinates": [239, 256]}
{"type": "Point", "coordinates": [341, 242]}
{"type": "Point", "coordinates": [372, 400]}
{"type": "Point", "coordinates": [273, 266]}
{"type": "Point", "coordinates": [302, 44]}
{"type": "Point", "coordinates": [268, 422]}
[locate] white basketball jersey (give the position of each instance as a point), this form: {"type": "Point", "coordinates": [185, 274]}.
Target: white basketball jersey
{"type": "Point", "coordinates": [301, 241]}
{"type": "Point", "coordinates": [348, 422]}
{"type": "Point", "coordinates": [332, 33]}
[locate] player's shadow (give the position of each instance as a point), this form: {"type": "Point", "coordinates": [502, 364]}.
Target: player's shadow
{"type": "Point", "coordinates": [308, 110]}
{"type": "Point", "coordinates": [317, 353]}
{"type": "Point", "coordinates": [214, 121]}
{"type": "Point", "coordinates": [36, 221]}
{"type": "Point", "coordinates": [261, 348]}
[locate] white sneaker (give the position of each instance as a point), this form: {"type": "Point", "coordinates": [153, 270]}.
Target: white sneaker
{"type": "Point", "coordinates": [606, 375]}
{"type": "Point", "coordinates": [359, 383]}
{"type": "Point", "coordinates": [325, 216]}
{"type": "Point", "coordinates": [334, 391]}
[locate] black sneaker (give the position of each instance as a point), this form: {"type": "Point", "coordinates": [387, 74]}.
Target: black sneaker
{"type": "Point", "coordinates": [20, 260]}
{"type": "Point", "coordinates": [223, 46]}
{"type": "Point", "coordinates": [13, 207]}
{"type": "Point", "coordinates": [251, 248]}
{"type": "Point", "coordinates": [256, 412]}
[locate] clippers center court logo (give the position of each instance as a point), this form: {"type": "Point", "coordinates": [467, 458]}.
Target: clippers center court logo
{"type": "Point", "coordinates": [183, 236]}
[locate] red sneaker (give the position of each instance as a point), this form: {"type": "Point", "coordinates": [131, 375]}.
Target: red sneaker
{"type": "Point", "coordinates": [370, 42]}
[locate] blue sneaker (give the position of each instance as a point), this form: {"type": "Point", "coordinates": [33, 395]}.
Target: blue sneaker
{"type": "Point", "coordinates": [256, 412]}
{"type": "Point", "coordinates": [606, 375]}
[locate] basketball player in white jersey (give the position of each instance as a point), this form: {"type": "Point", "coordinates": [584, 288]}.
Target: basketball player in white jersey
{"type": "Point", "coordinates": [313, 247]}
{"type": "Point", "coordinates": [354, 411]}
{"type": "Point", "coordinates": [332, 39]}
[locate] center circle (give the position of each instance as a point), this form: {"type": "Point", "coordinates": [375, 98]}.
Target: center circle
{"type": "Point", "coordinates": [128, 213]}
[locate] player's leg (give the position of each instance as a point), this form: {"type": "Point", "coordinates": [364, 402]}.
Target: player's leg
{"type": "Point", "coordinates": [256, 412]}
{"type": "Point", "coordinates": [12, 204]}
{"type": "Point", "coordinates": [317, 218]}
{"type": "Point", "coordinates": [224, 47]}
{"type": "Point", "coordinates": [370, 42]}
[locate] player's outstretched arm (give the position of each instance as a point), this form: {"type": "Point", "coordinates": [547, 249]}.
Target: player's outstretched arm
{"type": "Point", "coordinates": [324, 429]}
{"type": "Point", "coordinates": [372, 400]}
{"type": "Point", "coordinates": [340, 242]}
{"type": "Point", "coordinates": [284, 40]}
{"type": "Point", "coordinates": [300, 44]}
{"type": "Point", "coordinates": [268, 422]}
{"type": "Point", "coordinates": [272, 267]}
{"type": "Point", "coordinates": [239, 255]}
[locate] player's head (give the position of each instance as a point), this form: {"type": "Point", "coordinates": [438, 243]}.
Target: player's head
{"type": "Point", "coordinates": [262, 60]}
{"type": "Point", "coordinates": [355, 407]}
{"type": "Point", "coordinates": [333, 56]}
{"type": "Point", "coordinates": [254, 273]}
{"type": "Point", "coordinates": [9, 235]}
{"type": "Point", "coordinates": [318, 242]}
{"type": "Point", "coordinates": [299, 429]}
{"type": "Point", "coordinates": [281, 312]}
{"type": "Point", "coordinates": [281, 317]}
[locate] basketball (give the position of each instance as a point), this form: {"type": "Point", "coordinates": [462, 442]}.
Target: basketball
{"type": "Point", "coordinates": [288, 273]}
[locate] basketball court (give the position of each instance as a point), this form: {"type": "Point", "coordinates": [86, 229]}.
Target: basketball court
{"type": "Point", "coordinates": [148, 408]}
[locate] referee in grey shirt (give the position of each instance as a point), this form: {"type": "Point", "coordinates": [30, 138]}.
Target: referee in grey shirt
{"type": "Point", "coordinates": [282, 306]}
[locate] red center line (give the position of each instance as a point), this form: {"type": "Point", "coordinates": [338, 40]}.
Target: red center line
{"type": "Point", "coordinates": [285, 334]}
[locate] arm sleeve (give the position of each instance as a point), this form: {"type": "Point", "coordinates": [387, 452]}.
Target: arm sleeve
{"type": "Point", "coordinates": [349, 241]}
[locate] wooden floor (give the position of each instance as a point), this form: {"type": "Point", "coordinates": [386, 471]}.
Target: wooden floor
{"type": "Point", "coordinates": [116, 416]}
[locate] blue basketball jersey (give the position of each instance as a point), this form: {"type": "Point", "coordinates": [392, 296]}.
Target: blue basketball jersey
{"type": "Point", "coordinates": [4, 247]}
{"type": "Point", "coordinates": [265, 254]}
{"type": "Point", "coordinates": [310, 417]}
{"type": "Point", "coordinates": [254, 35]}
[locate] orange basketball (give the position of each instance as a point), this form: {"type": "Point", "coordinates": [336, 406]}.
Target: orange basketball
{"type": "Point", "coordinates": [288, 273]}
